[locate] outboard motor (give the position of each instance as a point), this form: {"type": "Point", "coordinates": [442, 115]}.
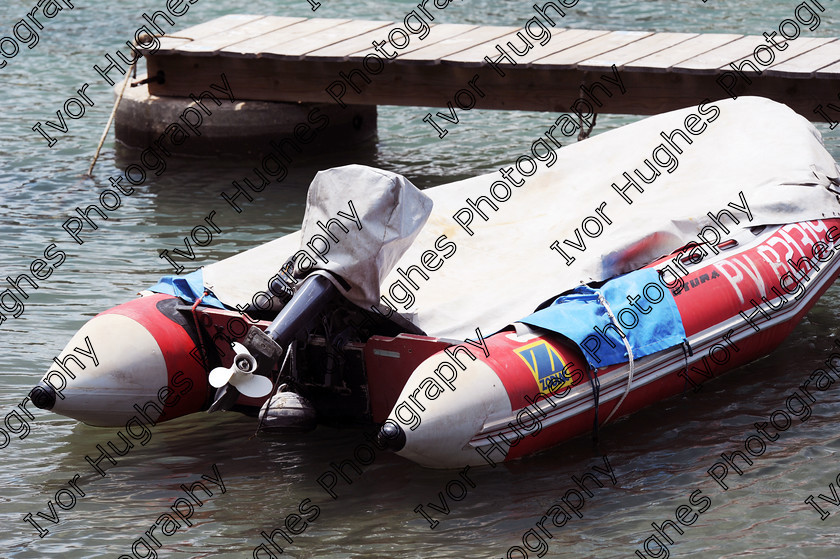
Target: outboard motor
{"type": "Point", "coordinates": [389, 213]}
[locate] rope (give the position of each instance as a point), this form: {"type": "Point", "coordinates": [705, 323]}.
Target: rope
{"type": "Point", "coordinates": [596, 395]}
{"type": "Point", "coordinates": [584, 134]}
{"type": "Point", "coordinates": [629, 354]}
{"type": "Point", "coordinates": [198, 331]}
{"type": "Point", "coordinates": [111, 118]}
{"type": "Point", "coordinates": [274, 386]}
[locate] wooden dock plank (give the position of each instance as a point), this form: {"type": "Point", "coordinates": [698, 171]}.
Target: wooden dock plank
{"type": "Point", "coordinates": [746, 47]}
{"type": "Point", "coordinates": [211, 44]}
{"type": "Point", "coordinates": [168, 43]}
{"type": "Point", "coordinates": [572, 38]}
{"type": "Point", "coordinates": [635, 50]}
{"type": "Point", "coordinates": [829, 72]}
{"type": "Point", "coordinates": [710, 62]}
{"type": "Point", "coordinates": [477, 38]}
{"type": "Point", "coordinates": [441, 32]}
{"type": "Point", "coordinates": [802, 45]}
{"type": "Point", "coordinates": [567, 39]}
{"type": "Point", "coordinates": [474, 55]}
{"type": "Point", "coordinates": [569, 58]}
{"type": "Point", "coordinates": [664, 60]}
{"type": "Point", "coordinates": [808, 63]}
{"type": "Point", "coordinates": [325, 38]}
{"type": "Point", "coordinates": [360, 44]}
{"type": "Point", "coordinates": [258, 46]}
{"type": "Point", "coordinates": [560, 39]}
{"type": "Point", "coordinates": [206, 29]}
{"type": "Point", "coordinates": [437, 33]}
{"type": "Point", "coordinates": [217, 25]}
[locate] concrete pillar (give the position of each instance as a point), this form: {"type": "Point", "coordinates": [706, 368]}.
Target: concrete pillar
{"type": "Point", "coordinates": [240, 127]}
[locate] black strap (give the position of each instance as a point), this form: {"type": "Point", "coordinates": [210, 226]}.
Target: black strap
{"type": "Point", "coordinates": [687, 351]}
{"type": "Point", "coordinates": [596, 394]}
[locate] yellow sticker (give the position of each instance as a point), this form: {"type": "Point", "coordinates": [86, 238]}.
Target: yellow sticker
{"type": "Point", "coordinates": [547, 366]}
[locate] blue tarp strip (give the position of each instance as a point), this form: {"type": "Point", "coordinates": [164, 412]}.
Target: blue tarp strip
{"type": "Point", "coordinates": [652, 325]}
{"type": "Point", "coordinates": [189, 288]}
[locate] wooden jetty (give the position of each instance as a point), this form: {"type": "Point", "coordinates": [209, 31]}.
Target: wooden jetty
{"type": "Point", "coordinates": [297, 59]}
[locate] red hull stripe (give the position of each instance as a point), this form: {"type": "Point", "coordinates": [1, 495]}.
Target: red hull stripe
{"type": "Point", "coordinates": [175, 345]}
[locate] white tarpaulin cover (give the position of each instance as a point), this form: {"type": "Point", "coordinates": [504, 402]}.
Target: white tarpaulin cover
{"type": "Point", "coordinates": [506, 268]}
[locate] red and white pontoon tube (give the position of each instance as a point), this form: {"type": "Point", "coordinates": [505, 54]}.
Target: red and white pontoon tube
{"type": "Point", "coordinates": [735, 306]}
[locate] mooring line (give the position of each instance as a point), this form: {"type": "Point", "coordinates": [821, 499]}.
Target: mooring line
{"type": "Point", "coordinates": [131, 69]}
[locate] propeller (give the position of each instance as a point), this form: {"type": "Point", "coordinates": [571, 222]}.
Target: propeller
{"type": "Point", "coordinates": [240, 375]}
{"type": "Point", "coordinates": [313, 294]}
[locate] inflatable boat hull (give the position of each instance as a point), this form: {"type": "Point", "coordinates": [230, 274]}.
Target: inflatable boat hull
{"type": "Point", "coordinates": [530, 391]}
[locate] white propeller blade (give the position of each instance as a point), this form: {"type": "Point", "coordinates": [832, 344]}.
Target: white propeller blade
{"type": "Point", "coordinates": [253, 386]}
{"type": "Point", "coordinates": [239, 375]}
{"type": "Point", "coordinates": [220, 376]}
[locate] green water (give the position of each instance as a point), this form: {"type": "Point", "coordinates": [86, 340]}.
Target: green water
{"type": "Point", "coordinates": [660, 456]}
